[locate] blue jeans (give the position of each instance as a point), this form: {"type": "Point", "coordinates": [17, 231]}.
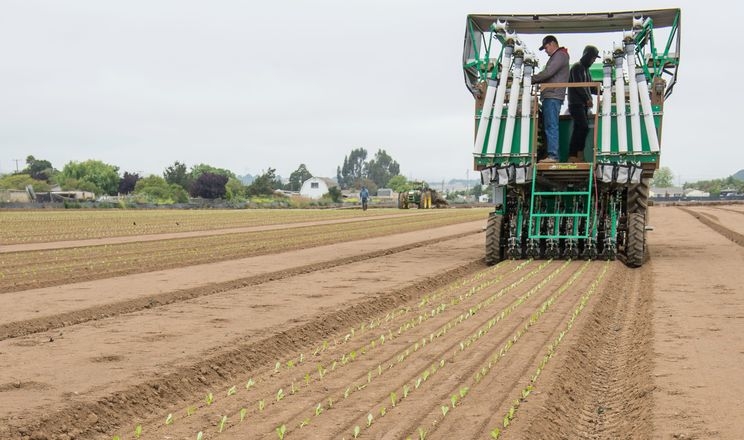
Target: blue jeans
{"type": "Point", "coordinates": [551, 108]}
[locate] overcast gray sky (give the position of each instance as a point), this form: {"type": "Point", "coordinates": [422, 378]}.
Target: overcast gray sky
{"type": "Point", "coordinates": [246, 85]}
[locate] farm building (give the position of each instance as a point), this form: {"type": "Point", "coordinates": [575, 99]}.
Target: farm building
{"type": "Point", "coordinates": [315, 187]}
{"type": "Point", "coordinates": [671, 191]}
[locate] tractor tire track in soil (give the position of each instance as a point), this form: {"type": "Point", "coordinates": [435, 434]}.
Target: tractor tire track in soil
{"type": "Point", "coordinates": [46, 323]}
{"type": "Point", "coordinates": [713, 224]}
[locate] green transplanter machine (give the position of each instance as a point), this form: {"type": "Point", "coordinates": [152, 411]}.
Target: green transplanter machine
{"type": "Point", "coordinates": [594, 207]}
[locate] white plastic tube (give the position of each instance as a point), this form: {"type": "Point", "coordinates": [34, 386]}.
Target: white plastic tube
{"type": "Point", "coordinates": [622, 133]}
{"type": "Point", "coordinates": [648, 115]}
{"type": "Point", "coordinates": [513, 101]}
{"type": "Point", "coordinates": [499, 103]}
{"type": "Point", "coordinates": [605, 146]}
{"type": "Point", "coordinates": [485, 117]}
{"type": "Point", "coordinates": [635, 120]}
{"type": "Point", "coordinates": [524, 137]}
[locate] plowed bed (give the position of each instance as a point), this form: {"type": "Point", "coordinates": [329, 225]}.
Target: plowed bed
{"type": "Point", "coordinates": [356, 325]}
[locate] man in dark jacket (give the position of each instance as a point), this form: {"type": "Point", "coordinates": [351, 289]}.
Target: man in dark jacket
{"type": "Point", "coordinates": [579, 102]}
{"type": "Point", "coordinates": [556, 71]}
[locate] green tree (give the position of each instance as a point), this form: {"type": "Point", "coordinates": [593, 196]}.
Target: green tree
{"type": "Point", "coordinates": [663, 178]}
{"type": "Point", "coordinates": [334, 193]}
{"type": "Point", "coordinates": [20, 181]}
{"type": "Point", "coordinates": [353, 168]}
{"type": "Point", "coordinates": [265, 184]}
{"type": "Point", "coordinates": [91, 175]}
{"type": "Point", "coordinates": [39, 169]}
{"type": "Point", "coordinates": [477, 191]}
{"type": "Point", "coordinates": [178, 174]}
{"type": "Point", "coordinates": [398, 183]}
{"type": "Point", "coordinates": [155, 189]}
{"type": "Point", "coordinates": [234, 189]}
{"type": "Point", "coordinates": [298, 176]}
{"type": "Point", "coordinates": [198, 170]}
{"type": "Point", "coordinates": [381, 168]}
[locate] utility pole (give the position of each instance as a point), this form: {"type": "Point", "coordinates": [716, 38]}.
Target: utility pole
{"type": "Point", "coordinates": [16, 161]}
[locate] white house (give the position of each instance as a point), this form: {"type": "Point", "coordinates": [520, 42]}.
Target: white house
{"type": "Point", "coordinates": [315, 187]}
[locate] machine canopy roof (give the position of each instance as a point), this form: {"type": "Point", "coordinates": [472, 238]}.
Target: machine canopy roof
{"type": "Point", "coordinates": [591, 22]}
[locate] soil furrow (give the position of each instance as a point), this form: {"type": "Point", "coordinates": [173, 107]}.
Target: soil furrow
{"type": "Point", "coordinates": [46, 323]}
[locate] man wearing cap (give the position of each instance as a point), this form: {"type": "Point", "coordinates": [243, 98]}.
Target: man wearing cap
{"type": "Point", "coordinates": [579, 102]}
{"type": "Point", "coordinates": [556, 71]}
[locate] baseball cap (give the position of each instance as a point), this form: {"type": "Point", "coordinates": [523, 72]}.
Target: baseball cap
{"type": "Point", "coordinates": [592, 51]}
{"type": "Point", "coordinates": [546, 40]}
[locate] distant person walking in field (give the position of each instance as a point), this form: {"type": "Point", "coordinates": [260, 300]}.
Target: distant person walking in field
{"type": "Point", "coordinates": [364, 197]}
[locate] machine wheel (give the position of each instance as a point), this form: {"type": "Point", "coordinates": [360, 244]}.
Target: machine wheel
{"type": "Point", "coordinates": [402, 201]}
{"type": "Point", "coordinates": [636, 242]}
{"type": "Point", "coordinates": [425, 202]}
{"type": "Point", "coordinates": [494, 239]}
{"type": "Point", "coordinates": [638, 197]}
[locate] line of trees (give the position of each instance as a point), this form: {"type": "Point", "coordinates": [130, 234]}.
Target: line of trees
{"type": "Point", "coordinates": [179, 181]}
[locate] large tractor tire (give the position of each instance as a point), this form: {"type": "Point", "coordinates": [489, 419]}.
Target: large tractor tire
{"type": "Point", "coordinates": [638, 197]}
{"type": "Point", "coordinates": [494, 239]}
{"type": "Point", "coordinates": [402, 200]}
{"type": "Point", "coordinates": [635, 247]}
{"type": "Point", "coordinates": [425, 200]}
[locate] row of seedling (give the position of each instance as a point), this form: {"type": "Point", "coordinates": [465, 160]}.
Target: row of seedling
{"type": "Point", "coordinates": [468, 342]}
{"type": "Point", "coordinates": [345, 358]}
{"type": "Point", "coordinates": [552, 347]}
{"type": "Point", "coordinates": [534, 317]}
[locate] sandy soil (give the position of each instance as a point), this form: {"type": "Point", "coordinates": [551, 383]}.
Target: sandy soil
{"type": "Point", "coordinates": [393, 337]}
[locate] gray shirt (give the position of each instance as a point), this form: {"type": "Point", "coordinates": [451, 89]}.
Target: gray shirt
{"type": "Point", "coordinates": [556, 71]}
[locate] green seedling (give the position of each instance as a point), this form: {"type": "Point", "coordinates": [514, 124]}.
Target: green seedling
{"type": "Point", "coordinates": [169, 419]}
{"type": "Point", "coordinates": [190, 410]}
{"type": "Point", "coordinates": [445, 410]}
{"type": "Point", "coordinates": [277, 367]}
{"type": "Point", "coordinates": [243, 412]}
{"type": "Point", "coordinates": [318, 409]}
{"type": "Point", "coordinates": [261, 405]}
{"type": "Point", "coordinates": [453, 400]}
{"type": "Point", "coordinates": [422, 433]}
{"type": "Point", "coordinates": [209, 399]}
{"type": "Point", "coordinates": [383, 411]}
{"type": "Point", "coordinates": [116, 437]}
{"type": "Point", "coordinates": [346, 393]}
{"type": "Point", "coordinates": [464, 392]}
{"type": "Point", "coordinates": [357, 430]}
{"type": "Point", "coordinates": [138, 431]}
{"type": "Point", "coordinates": [293, 389]}
{"type": "Point", "coordinates": [496, 433]}
{"type": "Point", "coordinates": [405, 391]}
{"type": "Point", "coordinates": [280, 431]}
{"type": "Point", "coordinates": [369, 420]}
{"type": "Point", "coordinates": [279, 395]}
{"type": "Point", "coordinates": [290, 363]}
{"type": "Point", "coordinates": [307, 378]}
{"type": "Point", "coordinates": [393, 398]}
{"type": "Point", "coordinates": [223, 420]}
{"type": "Point", "coordinates": [249, 384]}
{"type": "Point", "coordinates": [304, 423]}
{"type": "Point", "coordinates": [199, 435]}
{"type": "Point", "coordinates": [232, 390]}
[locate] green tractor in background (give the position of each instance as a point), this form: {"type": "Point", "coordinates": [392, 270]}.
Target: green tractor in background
{"type": "Point", "coordinates": [421, 196]}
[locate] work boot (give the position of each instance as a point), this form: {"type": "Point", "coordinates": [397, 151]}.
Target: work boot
{"type": "Point", "coordinates": [549, 160]}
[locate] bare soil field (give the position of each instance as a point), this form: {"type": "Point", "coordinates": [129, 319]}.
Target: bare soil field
{"type": "Point", "coordinates": [385, 326]}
